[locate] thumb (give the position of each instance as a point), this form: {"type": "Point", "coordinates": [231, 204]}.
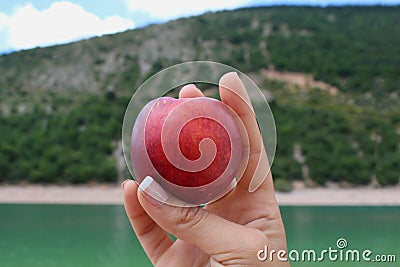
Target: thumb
{"type": "Point", "coordinates": [210, 232]}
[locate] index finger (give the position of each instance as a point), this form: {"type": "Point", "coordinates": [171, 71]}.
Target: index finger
{"type": "Point", "coordinates": [234, 94]}
{"type": "Point", "coordinates": [154, 240]}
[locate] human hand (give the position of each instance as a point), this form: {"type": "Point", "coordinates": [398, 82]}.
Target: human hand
{"type": "Point", "coordinates": [227, 232]}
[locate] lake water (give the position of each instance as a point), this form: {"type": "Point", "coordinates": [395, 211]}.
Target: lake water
{"type": "Point", "coordinates": [87, 235]}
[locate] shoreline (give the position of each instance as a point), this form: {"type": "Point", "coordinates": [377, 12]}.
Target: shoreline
{"type": "Point", "coordinates": [112, 194]}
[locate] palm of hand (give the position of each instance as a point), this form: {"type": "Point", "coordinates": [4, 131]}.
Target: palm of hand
{"type": "Point", "coordinates": [252, 210]}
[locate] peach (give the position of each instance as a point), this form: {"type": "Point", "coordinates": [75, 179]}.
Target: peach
{"type": "Point", "coordinates": [191, 146]}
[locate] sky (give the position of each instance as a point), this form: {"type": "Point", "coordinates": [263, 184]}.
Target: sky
{"type": "Point", "coordinates": [26, 24]}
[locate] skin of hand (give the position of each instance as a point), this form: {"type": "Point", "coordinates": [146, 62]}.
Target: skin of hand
{"type": "Point", "coordinates": [227, 232]}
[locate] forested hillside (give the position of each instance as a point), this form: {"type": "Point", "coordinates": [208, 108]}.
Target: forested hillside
{"type": "Point", "coordinates": [331, 74]}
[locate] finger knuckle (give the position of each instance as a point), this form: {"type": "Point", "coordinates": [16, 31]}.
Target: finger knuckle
{"type": "Point", "coordinates": [189, 217]}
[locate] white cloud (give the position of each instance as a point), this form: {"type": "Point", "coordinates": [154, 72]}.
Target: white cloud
{"type": "Point", "coordinates": [177, 8]}
{"type": "Point", "coordinates": [3, 22]}
{"type": "Point", "coordinates": [62, 22]}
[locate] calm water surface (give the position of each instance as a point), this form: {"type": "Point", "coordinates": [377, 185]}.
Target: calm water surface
{"type": "Point", "coordinates": [86, 235]}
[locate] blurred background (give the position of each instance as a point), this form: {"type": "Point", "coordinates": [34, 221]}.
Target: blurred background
{"type": "Point", "coordinates": [330, 71]}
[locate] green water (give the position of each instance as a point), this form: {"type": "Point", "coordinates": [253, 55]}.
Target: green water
{"type": "Point", "coordinates": [85, 235]}
{"type": "Point", "coordinates": [364, 228]}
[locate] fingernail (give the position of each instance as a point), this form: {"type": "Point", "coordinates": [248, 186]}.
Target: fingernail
{"type": "Point", "coordinates": [124, 182]}
{"type": "Point", "coordinates": [153, 192]}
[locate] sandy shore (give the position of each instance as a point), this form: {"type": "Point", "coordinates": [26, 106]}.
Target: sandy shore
{"type": "Point", "coordinates": [112, 194]}
{"type": "Point", "coordinates": [342, 197]}
{"type": "Point", "coordinates": [82, 194]}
